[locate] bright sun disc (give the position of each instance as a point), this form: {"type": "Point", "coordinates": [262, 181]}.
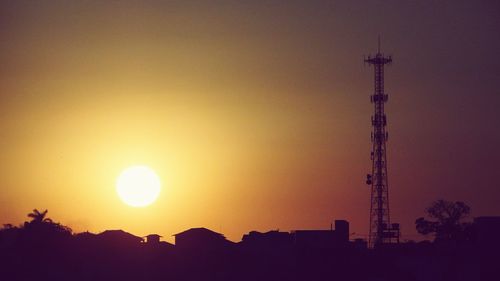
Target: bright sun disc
{"type": "Point", "coordinates": [138, 186]}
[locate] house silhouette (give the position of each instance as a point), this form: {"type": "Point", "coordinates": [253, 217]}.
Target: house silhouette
{"type": "Point", "coordinates": [200, 239]}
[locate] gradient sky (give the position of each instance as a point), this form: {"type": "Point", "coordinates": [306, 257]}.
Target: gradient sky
{"type": "Point", "coordinates": [255, 115]}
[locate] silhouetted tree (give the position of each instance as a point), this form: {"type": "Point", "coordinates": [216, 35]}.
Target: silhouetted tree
{"type": "Point", "coordinates": [37, 216]}
{"type": "Point", "coordinates": [42, 224]}
{"type": "Point", "coordinates": [8, 226]}
{"type": "Point", "coordinates": [446, 220]}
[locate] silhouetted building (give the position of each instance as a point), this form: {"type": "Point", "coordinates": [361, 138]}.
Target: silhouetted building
{"type": "Point", "coordinates": [360, 244]}
{"type": "Point", "coordinates": [85, 235]}
{"type": "Point", "coordinates": [270, 239]}
{"type": "Point", "coordinates": [118, 238]}
{"type": "Point", "coordinates": [313, 239]}
{"type": "Point", "coordinates": [153, 239]}
{"type": "Point", "coordinates": [200, 239]}
{"type": "Point", "coordinates": [342, 230]}
{"type": "Point", "coordinates": [318, 239]}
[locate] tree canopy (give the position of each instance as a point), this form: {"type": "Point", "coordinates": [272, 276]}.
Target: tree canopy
{"type": "Point", "coordinates": [446, 220]}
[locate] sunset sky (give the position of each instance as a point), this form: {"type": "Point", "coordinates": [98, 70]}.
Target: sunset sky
{"type": "Point", "coordinates": [255, 116]}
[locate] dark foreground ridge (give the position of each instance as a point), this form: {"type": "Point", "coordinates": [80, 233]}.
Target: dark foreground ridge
{"type": "Point", "coordinates": [44, 250]}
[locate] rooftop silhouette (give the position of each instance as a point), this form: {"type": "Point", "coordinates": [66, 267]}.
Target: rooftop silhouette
{"type": "Point", "coordinates": [42, 249]}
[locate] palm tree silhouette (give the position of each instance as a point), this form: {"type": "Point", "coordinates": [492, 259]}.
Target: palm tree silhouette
{"type": "Point", "coordinates": [39, 217]}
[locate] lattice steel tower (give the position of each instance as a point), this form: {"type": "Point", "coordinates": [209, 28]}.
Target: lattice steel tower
{"type": "Point", "coordinates": [381, 229]}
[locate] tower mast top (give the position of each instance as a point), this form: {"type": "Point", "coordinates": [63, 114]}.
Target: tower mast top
{"type": "Point", "coordinates": [378, 52]}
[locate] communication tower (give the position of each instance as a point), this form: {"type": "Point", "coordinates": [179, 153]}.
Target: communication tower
{"type": "Point", "coordinates": [381, 230]}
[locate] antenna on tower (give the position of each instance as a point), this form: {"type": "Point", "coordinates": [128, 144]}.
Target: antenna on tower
{"type": "Point", "coordinates": [378, 44]}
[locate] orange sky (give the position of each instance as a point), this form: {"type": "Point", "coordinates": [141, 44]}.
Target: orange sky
{"type": "Point", "coordinates": [255, 116]}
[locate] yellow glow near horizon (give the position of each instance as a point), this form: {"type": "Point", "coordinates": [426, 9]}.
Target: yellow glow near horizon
{"type": "Point", "coordinates": [138, 186]}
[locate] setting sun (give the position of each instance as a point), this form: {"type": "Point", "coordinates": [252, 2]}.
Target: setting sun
{"type": "Point", "coordinates": [138, 186]}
